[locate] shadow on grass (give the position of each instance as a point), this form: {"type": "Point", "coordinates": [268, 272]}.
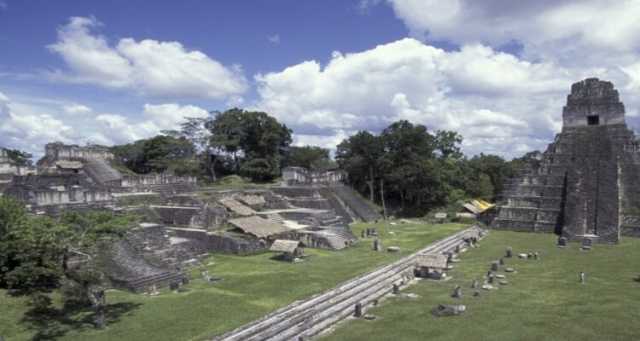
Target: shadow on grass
{"type": "Point", "coordinates": [52, 323]}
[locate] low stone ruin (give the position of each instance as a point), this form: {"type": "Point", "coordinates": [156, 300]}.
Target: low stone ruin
{"type": "Point", "coordinates": [300, 175]}
{"type": "Point", "coordinates": [134, 265]}
{"type": "Point", "coordinates": [587, 182]}
{"type": "Point", "coordinates": [448, 310]}
{"type": "Point", "coordinates": [73, 177]}
{"type": "Point", "coordinates": [181, 225]}
{"type": "Point", "coordinates": [52, 193]}
{"type": "Point", "coordinates": [8, 169]}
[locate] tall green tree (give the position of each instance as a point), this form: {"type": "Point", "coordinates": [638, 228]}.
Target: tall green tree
{"type": "Point", "coordinates": [447, 144]}
{"type": "Point", "coordinates": [495, 167]}
{"type": "Point", "coordinates": [361, 156]}
{"type": "Point", "coordinates": [408, 150]}
{"type": "Point", "coordinates": [158, 154]}
{"type": "Point", "coordinates": [251, 137]}
{"type": "Point", "coordinates": [310, 157]}
{"type": "Point", "coordinates": [413, 169]}
{"type": "Point", "coordinates": [40, 254]}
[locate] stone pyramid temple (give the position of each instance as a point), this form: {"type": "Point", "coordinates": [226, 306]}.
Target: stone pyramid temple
{"type": "Point", "coordinates": [587, 182]}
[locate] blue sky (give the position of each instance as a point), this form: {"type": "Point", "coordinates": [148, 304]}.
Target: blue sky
{"type": "Point", "coordinates": [496, 71]}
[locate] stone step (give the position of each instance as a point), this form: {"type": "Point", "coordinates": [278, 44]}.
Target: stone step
{"type": "Point", "coordinates": [310, 317]}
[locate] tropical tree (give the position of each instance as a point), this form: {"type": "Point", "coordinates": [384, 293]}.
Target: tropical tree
{"type": "Point", "coordinates": [19, 157]}
{"type": "Point", "coordinates": [158, 154]}
{"type": "Point", "coordinates": [250, 137]}
{"type": "Point", "coordinates": [310, 157]}
{"type": "Point", "coordinates": [361, 156]}
{"type": "Point", "coordinates": [40, 254]}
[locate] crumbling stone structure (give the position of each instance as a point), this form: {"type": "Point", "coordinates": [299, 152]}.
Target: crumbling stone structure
{"type": "Point", "coordinates": [300, 175]}
{"type": "Point", "coordinates": [588, 179]}
{"type": "Point", "coordinates": [6, 166]}
{"type": "Point", "coordinates": [57, 191]}
{"type": "Point", "coordinates": [74, 177]}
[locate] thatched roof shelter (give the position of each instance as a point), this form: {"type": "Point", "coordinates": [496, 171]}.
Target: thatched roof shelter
{"type": "Point", "coordinates": [432, 261]}
{"type": "Point", "coordinates": [252, 200]}
{"type": "Point", "coordinates": [236, 207]}
{"type": "Point", "coordinates": [286, 246]}
{"type": "Point", "coordinates": [258, 227]}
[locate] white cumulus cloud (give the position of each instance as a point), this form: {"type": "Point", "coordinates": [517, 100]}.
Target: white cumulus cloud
{"type": "Point", "coordinates": [499, 103]}
{"type": "Point", "coordinates": [76, 109]}
{"type": "Point", "coordinates": [155, 118]}
{"type": "Point", "coordinates": [149, 66]}
{"type": "Point", "coordinates": [569, 31]}
{"type": "Point", "coordinates": [23, 128]}
{"type": "Point", "coordinates": [170, 115]}
{"type": "Point", "coordinates": [28, 124]}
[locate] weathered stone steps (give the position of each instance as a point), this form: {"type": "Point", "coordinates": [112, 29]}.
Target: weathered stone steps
{"type": "Point", "coordinates": [310, 317]}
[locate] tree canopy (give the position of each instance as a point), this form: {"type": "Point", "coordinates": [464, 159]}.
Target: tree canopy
{"type": "Point", "coordinates": [310, 157]}
{"type": "Point", "coordinates": [157, 154]}
{"type": "Point", "coordinates": [416, 170]}
{"type": "Point", "coordinates": [256, 141]}
{"type": "Point", "coordinates": [19, 157]}
{"type": "Point", "coordinates": [39, 254]}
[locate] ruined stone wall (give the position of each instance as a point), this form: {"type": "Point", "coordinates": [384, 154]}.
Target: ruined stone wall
{"type": "Point", "coordinates": [57, 190]}
{"type": "Point", "coordinates": [224, 242]}
{"type": "Point", "coordinates": [58, 151]}
{"type": "Point", "coordinates": [175, 215]}
{"type": "Point", "coordinates": [299, 175]}
{"type": "Point", "coordinates": [592, 97]}
{"type": "Point", "coordinates": [139, 181]}
{"type": "Point", "coordinates": [8, 168]}
{"type": "Point", "coordinates": [6, 164]}
{"type": "Point", "coordinates": [210, 217]}
{"type": "Point", "coordinates": [71, 196]}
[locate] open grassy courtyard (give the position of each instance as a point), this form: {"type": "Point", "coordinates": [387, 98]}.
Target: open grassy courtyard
{"type": "Point", "coordinates": [543, 301]}
{"type": "Point", "coordinates": [251, 287]}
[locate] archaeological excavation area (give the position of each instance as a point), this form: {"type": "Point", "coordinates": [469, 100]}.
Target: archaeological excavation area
{"type": "Point", "coordinates": [309, 257]}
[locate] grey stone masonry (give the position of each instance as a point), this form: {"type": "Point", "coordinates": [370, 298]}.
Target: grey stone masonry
{"type": "Point", "coordinates": [586, 180]}
{"type": "Point", "coordinates": [593, 102]}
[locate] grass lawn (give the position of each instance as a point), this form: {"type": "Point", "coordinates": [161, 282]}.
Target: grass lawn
{"type": "Point", "coordinates": [251, 287]}
{"type": "Point", "coordinates": [544, 300]}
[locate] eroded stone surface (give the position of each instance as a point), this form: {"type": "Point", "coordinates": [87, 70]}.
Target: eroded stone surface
{"type": "Point", "coordinates": [586, 179]}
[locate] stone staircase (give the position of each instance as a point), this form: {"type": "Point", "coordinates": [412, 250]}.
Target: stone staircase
{"type": "Point", "coordinates": [359, 206]}
{"type": "Point", "coordinates": [338, 238]}
{"type": "Point", "coordinates": [346, 215]}
{"type": "Point", "coordinates": [533, 200]}
{"type": "Point", "coordinates": [128, 270]}
{"type": "Point", "coordinates": [159, 281]}
{"type": "Point", "coordinates": [101, 172]}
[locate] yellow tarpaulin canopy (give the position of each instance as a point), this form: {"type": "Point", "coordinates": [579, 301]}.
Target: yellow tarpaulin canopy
{"type": "Point", "coordinates": [478, 206]}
